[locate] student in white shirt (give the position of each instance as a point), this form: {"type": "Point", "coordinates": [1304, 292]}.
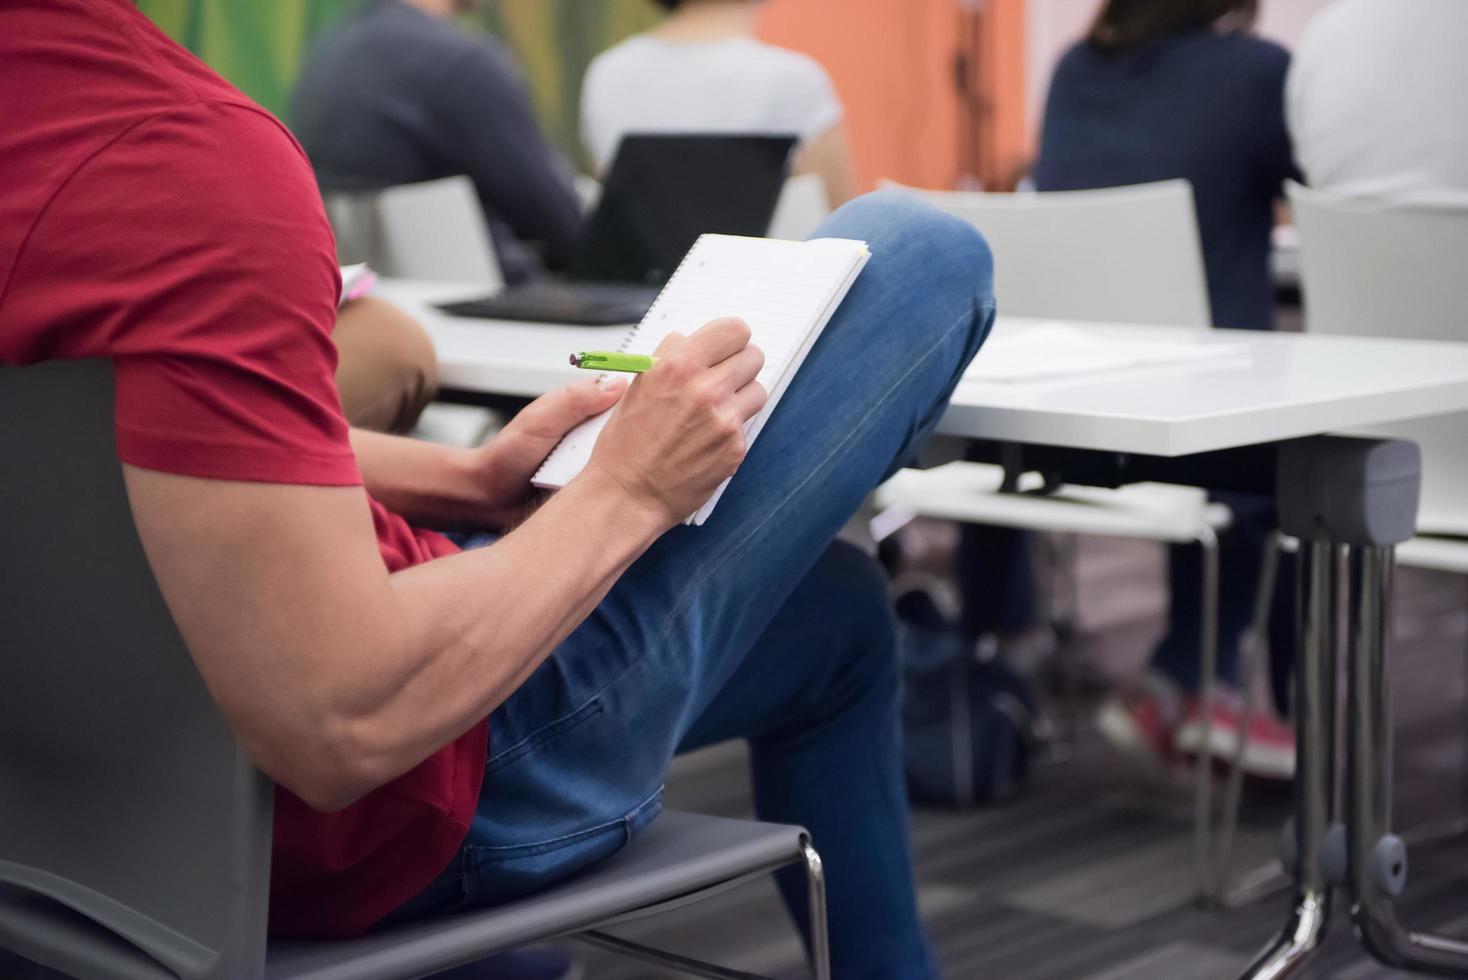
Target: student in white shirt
{"type": "Point", "coordinates": [703, 70]}
{"type": "Point", "coordinates": [1377, 101]}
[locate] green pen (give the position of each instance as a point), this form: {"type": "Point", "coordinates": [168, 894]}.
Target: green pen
{"type": "Point", "coordinates": [604, 360]}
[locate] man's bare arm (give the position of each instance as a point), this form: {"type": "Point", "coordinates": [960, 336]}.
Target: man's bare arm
{"type": "Point", "coordinates": [430, 484]}
{"type": "Point", "coordinates": [338, 677]}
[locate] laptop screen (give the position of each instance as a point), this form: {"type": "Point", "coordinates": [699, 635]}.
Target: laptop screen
{"type": "Point", "coordinates": [664, 190]}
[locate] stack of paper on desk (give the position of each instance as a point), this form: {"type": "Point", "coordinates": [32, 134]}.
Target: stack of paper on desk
{"type": "Point", "coordinates": [1044, 351]}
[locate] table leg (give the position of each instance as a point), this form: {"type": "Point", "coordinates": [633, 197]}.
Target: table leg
{"type": "Point", "coordinates": [1377, 858]}
{"type": "Point", "coordinates": [1315, 698]}
{"type": "Point", "coordinates": [1203, 771]}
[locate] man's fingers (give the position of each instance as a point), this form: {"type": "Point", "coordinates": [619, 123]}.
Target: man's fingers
{"type": "Point", "coordinates": [671, 342]}
{"type": "Point", "coordinates": [719, 339]}
{"type": "Point", "coordinates": [735, 372]}
{"type": "Point", "coordinates": [558, 411]}
{"type": "Point", "coordinates": [747, 401]}
{"type": "Point", "coordinates": [580, 401]}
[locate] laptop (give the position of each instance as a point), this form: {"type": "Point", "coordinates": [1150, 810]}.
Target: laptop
{"type": "Point", "coordinates": [663, 191]}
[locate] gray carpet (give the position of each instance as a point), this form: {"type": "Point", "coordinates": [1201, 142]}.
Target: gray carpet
{"type": "Point", "coordinates": [1090, 874]}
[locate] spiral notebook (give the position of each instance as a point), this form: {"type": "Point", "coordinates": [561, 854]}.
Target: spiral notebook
{"type": "Point", "coordinates": [786, 292]}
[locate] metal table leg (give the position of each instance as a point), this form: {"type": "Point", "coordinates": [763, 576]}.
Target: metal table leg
{"type": "Point", "coordinates": [1377, 858]}
{"type": "Point", "coordinates": [1230, 890]}
{"type": "Point", "coordinates": [1336, 494]}
{"type": "Point", "coordinates": [1315, 698]}
{"type": "Point", "coordinates": [1203, 768]}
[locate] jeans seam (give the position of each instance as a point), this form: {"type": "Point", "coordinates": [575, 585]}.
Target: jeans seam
{"type": "Point", "coordinates": [469, 882]}
{"type": "Point", "coordinates": [571, 720]}
{"type": "Point", "coordinates": [549, 844]}
{"type": "Point", "coordinates": [630, 816]}
{"type": "Point", "coordinates": [499, 851]}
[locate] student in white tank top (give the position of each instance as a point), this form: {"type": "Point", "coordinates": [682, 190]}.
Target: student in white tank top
{"type": "Point", "coordinates": [703, 70]}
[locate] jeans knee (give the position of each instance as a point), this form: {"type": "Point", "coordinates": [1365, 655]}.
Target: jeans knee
{"type": "Point", "coordinates": [906, 233]}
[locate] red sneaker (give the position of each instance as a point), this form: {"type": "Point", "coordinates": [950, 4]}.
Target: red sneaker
{"type": "Point", "coordinates": [1140, 723]}
{"type": "Point", "coordinates": [1269, 744]}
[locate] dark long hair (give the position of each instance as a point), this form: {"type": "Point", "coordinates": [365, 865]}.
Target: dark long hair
{"type": "Point", "coordinates": [1125, 25]}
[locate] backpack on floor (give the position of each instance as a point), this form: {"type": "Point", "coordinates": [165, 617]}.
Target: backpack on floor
{"type": "Point", "coordinates": [969, 721]}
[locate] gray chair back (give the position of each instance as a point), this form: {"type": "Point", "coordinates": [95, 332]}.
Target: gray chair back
{"type": "Point", "coordinates": [123, 795]}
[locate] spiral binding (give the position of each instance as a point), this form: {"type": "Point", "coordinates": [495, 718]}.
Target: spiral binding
{"type": "Point", "coordinates": [658, 302]}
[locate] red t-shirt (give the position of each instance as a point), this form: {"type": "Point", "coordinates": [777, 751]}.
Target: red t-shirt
{"type": "Point", "coordinates": [153, 215]}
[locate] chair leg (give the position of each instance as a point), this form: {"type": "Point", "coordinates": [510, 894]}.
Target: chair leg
{"type": "Point", "coordinates": [1203, 775]}
{"type": "Point", "coordinates": [1064, 612]}
{"type": "Point", "coordinates": [820, 941]}
{"type": "Point", "coordinates": [1254, 649]}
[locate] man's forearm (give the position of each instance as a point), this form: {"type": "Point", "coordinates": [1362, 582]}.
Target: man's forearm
{"type": "Point", "coordinates": [338, 677]}
{"type": "Point", "coordinates": [473, 627]}
{"type": "Point", "coordinates": [429, 484]}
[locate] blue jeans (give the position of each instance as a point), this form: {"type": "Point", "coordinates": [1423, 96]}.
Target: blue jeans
{"type": "Point", "coordinates": [754, 626]}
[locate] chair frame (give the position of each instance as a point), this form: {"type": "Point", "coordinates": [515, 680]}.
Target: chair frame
{"type": "Point", "coordinates": [820, 953]}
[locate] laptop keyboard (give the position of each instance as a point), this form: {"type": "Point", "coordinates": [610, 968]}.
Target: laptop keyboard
{"type": "Point", "coordinates": [585, 304]}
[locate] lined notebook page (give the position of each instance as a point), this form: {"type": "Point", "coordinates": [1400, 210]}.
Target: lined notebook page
{"type": "Point", "coordinates": [785, 291]}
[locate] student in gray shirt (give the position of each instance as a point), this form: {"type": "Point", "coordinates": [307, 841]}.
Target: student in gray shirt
{"type": "Point", "coordinates": [396, 94]}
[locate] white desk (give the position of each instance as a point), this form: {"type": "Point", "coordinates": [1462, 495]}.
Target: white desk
{"type": "Point", "coordinates": [1286, 386]}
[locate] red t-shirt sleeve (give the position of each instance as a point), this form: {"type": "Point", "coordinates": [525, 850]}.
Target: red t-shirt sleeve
{"type": "Point", "coordinates": [192, 250]}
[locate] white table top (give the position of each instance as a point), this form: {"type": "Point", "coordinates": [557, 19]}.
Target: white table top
{"type": "Point", "coordinates": [1282, 386]}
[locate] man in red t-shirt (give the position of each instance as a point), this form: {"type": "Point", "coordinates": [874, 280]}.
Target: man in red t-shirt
{"type": "Point", "coordinates": [446, 728]}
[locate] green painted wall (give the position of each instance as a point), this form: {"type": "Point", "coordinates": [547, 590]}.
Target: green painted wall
{"type": "Point", "coordinates": [259, 44]}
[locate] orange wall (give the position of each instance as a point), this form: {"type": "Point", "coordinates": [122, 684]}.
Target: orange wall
{"type": "Point", "coordinates": [1002, 55]}
{"type": "Point", "coordinates": [893, 62]}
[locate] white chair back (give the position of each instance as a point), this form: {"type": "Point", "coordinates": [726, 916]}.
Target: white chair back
{"type": "Point", "coordinates": [1377, 270]}
{"type": "Point", "coordinates": [1124, 254]}
{"type": "Point", "coordinates": [430, 230]}
{"type": "Point", "coordinates": [803, 205]}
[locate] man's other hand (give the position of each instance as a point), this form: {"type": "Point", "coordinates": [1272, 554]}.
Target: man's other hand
{"type": "Point", "coordinates": [510, 459]}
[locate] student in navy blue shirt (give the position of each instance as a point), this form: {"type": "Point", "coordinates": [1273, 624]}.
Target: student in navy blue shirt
{"type": "Point", "coordinates": [1162, 89]}
{"type": "Point", "coordinates": [1174, 88]}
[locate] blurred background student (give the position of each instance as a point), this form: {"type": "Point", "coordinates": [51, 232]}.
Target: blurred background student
{"type": "Point", "coordinates": [396, 94]}
{"type": "Point", "coordinates": [701, 70]}
{"type": "Point", "coordinates": [1378, 101]}
{"type": "Point", "coordinates": [1162, 89]}
{"type": "Point", "coordinates": [386, 369]}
